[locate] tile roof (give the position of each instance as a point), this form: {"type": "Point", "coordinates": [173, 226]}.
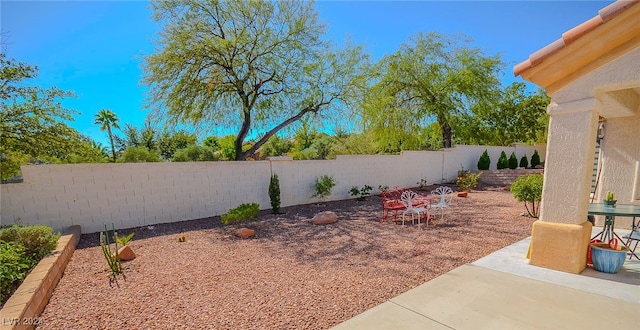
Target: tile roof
{"type": "Point", "coordinates": [604, 15]}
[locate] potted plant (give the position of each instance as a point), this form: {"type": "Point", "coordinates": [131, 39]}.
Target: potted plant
{"type": "Point", "coordinates": [608, 257]}
{"type": "Point", "coordinates": [609, 199]}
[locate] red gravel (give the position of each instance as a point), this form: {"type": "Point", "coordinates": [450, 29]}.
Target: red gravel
{"type": "Point", "coordinates": [292, 275]}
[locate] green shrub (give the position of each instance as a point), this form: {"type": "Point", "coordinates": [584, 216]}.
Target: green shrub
{"type": "Point", "coordinates": [124, 240]}
{"type": "Point", "coordinates": [484, 162]}
{"type": "Point", "coordinates": [360, 193]}
{"type": "Point", "coordinates": [513, 161]}
{"type": "Point", "coordinates": [467, 180]}
{"type": "Point", "coordinates": [524, 163]}
{"type": "Point", "coordinates": [503, 162]}
{"type": "Point", "coordinates": [38, 241]}
{"type": "Point", "coordinates": [535, 159]}
{"type": "Point", "coordinates": [139, 155]}
{"type": "Point", "coordinates": [322, 187]}
{"type": "Point", "coordinates": [194, 153]}
{"type": "Point", "coordinates": [528, 189]}
{"type": "Point", "coordinates": [15, 264]}
{"type": "Point", "coordinates": [274, 193]}
{"type": "Point", "coordinates": [21, 248]}
{"type": "Point", "coordinates": [244, 212]}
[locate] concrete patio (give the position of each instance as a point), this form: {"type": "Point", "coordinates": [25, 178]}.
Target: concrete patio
{"type": "Point", "coordinates": [502, 291]}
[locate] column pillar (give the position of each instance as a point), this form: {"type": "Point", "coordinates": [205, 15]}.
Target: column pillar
{"type": "Point", "coordinates": [560, 238]}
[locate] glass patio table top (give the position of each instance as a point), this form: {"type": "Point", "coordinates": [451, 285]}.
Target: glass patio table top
{"type": "Point", "coordinates": [610, 213]}
{"type": "Point", "coordinates": [623, 210]}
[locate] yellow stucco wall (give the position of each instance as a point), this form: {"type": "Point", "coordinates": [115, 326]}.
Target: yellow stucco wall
{"type": "Point", "coordinates": [560, 246]}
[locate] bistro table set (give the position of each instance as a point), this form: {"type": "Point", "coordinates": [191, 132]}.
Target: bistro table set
{"type": "Point", "coordinates": [419, 206]}
{"type": "Point", "coordinates": [610, 213]}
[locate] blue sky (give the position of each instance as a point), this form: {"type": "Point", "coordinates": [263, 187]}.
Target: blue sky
{"type": "Point", "coordinates": [94, 48]}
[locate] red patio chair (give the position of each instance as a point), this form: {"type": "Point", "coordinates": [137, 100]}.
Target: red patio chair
{"type": "Point", "coordinates": [391, 202]}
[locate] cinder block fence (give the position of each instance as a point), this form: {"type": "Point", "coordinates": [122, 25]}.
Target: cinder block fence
{"type": "Point", "coordinates": [505, 177]}
{"type": "Point", "coordinates": [133, 195]}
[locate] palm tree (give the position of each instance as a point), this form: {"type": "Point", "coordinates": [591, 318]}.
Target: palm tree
{"type": "Point", "coordinates": [107, 120]}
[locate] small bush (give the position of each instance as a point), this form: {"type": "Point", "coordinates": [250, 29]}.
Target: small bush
{"type": "Point", "coordinates": [503, 162]}
{"type": "Point", "coordinates": [15, 264]}
{"type": "Point", "coordinates": [244, 212]}
{"type": "Point", "coordinates": [194, 153]}
{"type": "Point", "coordinates": [38, 241]}
{"type": "Point", "coordinates": [528, 189]}
{"type": "Point", "coordinates": [124, 240]}
{"type": "Point", "coordinates": [484, 162]}
{"type": "Point", "coordinates": [513, 161]}
{"type": "Point", "coordinates": [467, 180]}
{"type": "Point", "coordinates": [21, 248]}
{"type": "Point", "coordinates": [322, 187]}
{"type": "Point", "coordinates": [274, 193]}
{"type": "Point", "coordinates": [535, 159]}
{"type": "Point", "coordinates": [524, 163]}
{"type": "Point", "coordinates": [360, 193]}
{"type": "Point", "coordinates": [139, 155]}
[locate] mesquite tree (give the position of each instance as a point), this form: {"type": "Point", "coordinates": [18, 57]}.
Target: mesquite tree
{"type": "Point", "coordinates": [250, 65]}
{"type": "Point", "coordinates": [431, 77]}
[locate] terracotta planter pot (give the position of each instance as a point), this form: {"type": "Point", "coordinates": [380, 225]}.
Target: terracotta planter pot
{"type": "Point", "coordinates": [462, 194]}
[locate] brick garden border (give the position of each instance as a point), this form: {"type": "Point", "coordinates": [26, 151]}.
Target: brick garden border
{"type": "Point", "coordinates": [23, 309]}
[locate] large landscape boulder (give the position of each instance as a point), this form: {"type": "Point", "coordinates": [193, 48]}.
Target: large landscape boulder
{"type": "Point", "coordinates": [324, 218]}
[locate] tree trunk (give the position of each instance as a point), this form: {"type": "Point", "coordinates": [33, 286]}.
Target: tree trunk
{"type": "Point", "coordinates": [246, 123]}
{"type": "Point", "coordinates": [113, 148]}
{"type": "Point", "coordinates": [446, 134]}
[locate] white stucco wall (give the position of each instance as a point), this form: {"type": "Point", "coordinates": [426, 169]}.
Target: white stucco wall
{"type": "Point", "coordinates": [620, 73]}
{"type": "Point", "coordinates": [621, 160]}
{"type": "Point", "coordinates": [132, 195]}
{"type": "Point", "coordinates": [613, 92]}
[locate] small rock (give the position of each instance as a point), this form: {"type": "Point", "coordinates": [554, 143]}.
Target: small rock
{"type": "Point", "coordinates": [324, 218]}
{"type": "Point", "coordinates": [245, 233]}
{"type": "Point", "coordinates": [126, 253]}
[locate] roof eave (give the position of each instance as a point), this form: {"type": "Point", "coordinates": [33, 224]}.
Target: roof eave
{"type": "Point", "coordinates": [582, 49]}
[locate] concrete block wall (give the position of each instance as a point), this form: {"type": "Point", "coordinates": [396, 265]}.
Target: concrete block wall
{"type": "Point", "coordinates": [133, 195]}
{"type": "Point", "coordinates": [505, 177]}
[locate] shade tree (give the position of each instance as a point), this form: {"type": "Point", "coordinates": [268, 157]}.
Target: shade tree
{"type": "Point", "coordinates": [33, 122]}
{"type": "Point", "coordinates": [432, 77]}
{"type": "Point", "coordinates": [247, 65]}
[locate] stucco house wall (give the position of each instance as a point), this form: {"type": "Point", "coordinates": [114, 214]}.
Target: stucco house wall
{"type": "Point", "coordinates": [610, 90]}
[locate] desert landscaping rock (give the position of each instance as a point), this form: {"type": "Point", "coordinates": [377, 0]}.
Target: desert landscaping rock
{"type": "Point", "coordinates": [294, 276]}
{"type": "Point", "coordinates": [245, 233]}
{"type": "Point", "coordinates": [325, 218]}
{"type": "Point", "coordinates": [126, 253]}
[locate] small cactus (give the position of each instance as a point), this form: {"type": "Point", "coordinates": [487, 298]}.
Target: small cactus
{"type": "Point", "coordinates": [609, 196]}
{"type": "Point", "coordinates": [113, 258]}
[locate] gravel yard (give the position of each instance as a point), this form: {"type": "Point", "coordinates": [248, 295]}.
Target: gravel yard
{"type": "Point", "coordinates": [292, 275]}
